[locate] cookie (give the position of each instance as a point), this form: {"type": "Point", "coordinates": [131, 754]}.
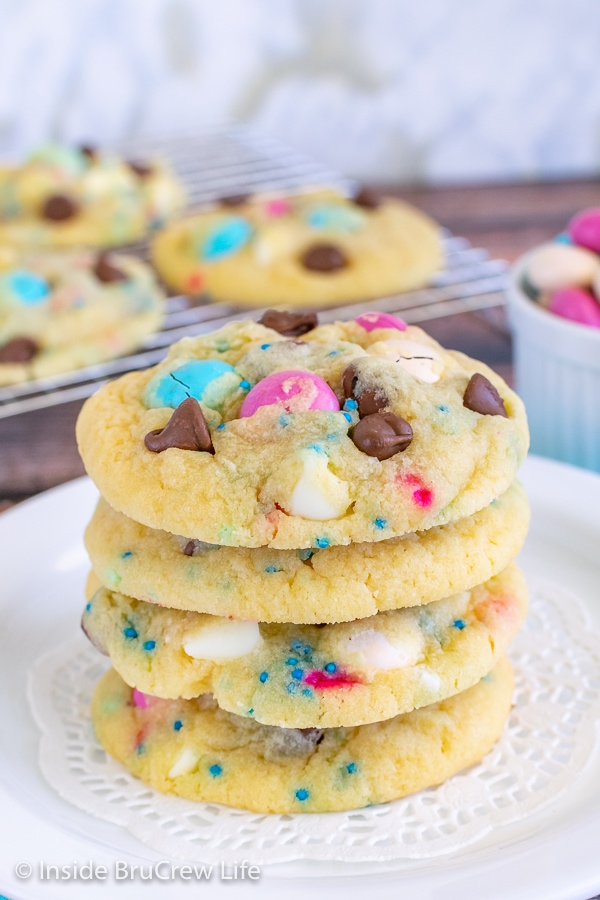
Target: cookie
{"type": "Point", "coordinates": [353, 432]}
{"type": "Point", "coordinates": [195, 750]}
{"type": "Point", "coordinates": [69, 196]}
{"type": "Point", "coordinates": [66, 309]}
{"type": "Point", "coordinates": [296, 676]}
{"type": "Point", "coordinates": [308, 249]}
{"type": "Point", "coordinates": [308, 586]}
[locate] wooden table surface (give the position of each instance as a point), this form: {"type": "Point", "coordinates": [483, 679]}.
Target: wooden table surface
{"type": "Point", "coordinates": [38, 450]}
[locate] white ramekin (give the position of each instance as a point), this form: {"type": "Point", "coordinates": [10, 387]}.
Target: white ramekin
{"type": "Point", "coordinates": [557, 374]}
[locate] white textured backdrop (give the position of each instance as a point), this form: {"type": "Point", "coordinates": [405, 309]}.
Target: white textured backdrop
{"type": "Point", "coordinates": [383, 89]}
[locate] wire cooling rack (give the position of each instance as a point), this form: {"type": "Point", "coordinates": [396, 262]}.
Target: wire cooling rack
{"type": "Point", "coordinates": [236, 159]}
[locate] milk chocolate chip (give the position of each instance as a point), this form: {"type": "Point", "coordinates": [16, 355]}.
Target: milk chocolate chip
{"type": "Point", "coordinates": [367, 198]}
{"type": "Point", "coordinates": [19, 350]}
{"type": "Point", "coordinates": [382, 435]}
{"type": "Point", "coordinates": [142, 170]}
{"type": "Point", "coordinates": [369, 401]}
{"type": "Point", "coordinates": [186, 430]}
{"type": "Point", "coordinates": [106, 272]}
{"type": "Point", "coordinates": [482, 397]}
{"type": "Point", "coordinates": [288, 323]}
{"type": "Point", "coordinates": [234, 199]}
{"type": "Point", "coordinates": [89, 152]}
{"type": "Point", "coordinates": [59, 207]}
{"type": "Point", "coordinates": [324, 258]}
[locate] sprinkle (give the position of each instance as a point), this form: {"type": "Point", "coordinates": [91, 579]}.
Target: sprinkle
{"type": "Point", "coordinates": [423, 497]}
{"type": "Point", "coordinates": [264, 346]}
{"type": "Point", "coordinates": [330, 667]}
{"type": "Point", "coordinates": [350, 404]}
{"type": "Point", "coordinates": [140, 749]}
{"type": "Point", "coordinates": [460, 624]}
{"type": "Point", "coordinates": [351, 768]}
{"type": "Point", "coordinates": [292, 661]}
{"type": "Point", "coordinates": [443, 409]}
{"type": "Point", "coordinates": [284, 420]}
{"type": "Point", "coordinates": [263, 677]}
{"type": "Point", "coordinates": [380, 523]}
{"type": "Point", "coordinates": [347, 417]}
{"type": "Point", "coordinates": [296, 645]}
{"type": "Point", "coordinates": [271, 569]}
{"type": "Point", "coordinates": [149, 645]}
{"type": "Point", "coordinates": [292, 687]}
{"type": "Point", "coordinates": [245, 385]}
{"type": "Point", "coordinates": [250, 712]}
{"type": "Point", "coordinates": [215, 770]}
{"type": "Point", "coordinates": [126, 555]}
{"type": "Point", "coordinates": [306, 650]}
{"type": "Point", "coordinates": [130, 632]}
{"type": "Point", "coordinates": [302, 794]}
{"type": "Point", "coordinates": [307, 692]}
{"type": "Point", "coordinates": [297, 674]}
{"type": "Point", "coordinates": [88, 606]}
{"type": "Point", "coordinates": [221, 426]}
{"type": "Point", "coordinates": [322, 542]}
{"type": "Point", "coordinates": [178, 725]}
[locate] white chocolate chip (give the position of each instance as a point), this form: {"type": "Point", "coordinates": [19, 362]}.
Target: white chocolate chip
{"type": "Point", "coordinates": [223, 639]}
{"type": "Point", "coordinates": [186, 762]}
{"type": "Point", "coordinates": [418, 359]}
{"type": "Point", "coordinates": [430, 680]}
{"type": "Point", "coordinates": [377, 652]}
{"type": "Point", "coordinates": [319, 494]}
{"type": "Point", "coordinates": [555, 266]}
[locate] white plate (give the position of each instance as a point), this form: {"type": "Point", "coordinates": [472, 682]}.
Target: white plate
{"type": "Point", "coordinates": [550, 856]}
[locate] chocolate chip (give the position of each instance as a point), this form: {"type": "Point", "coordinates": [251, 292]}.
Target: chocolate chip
{"type": "Point", "coordinates": [142, 170]}
{"type": "Point", "coordinates": [288, 323]}
{"type": "Point", "coordinates": [59, 207]}
{"type": "Point", "coordinates": [368, 198]}
{"type": "Point", "coordinates": [189, 548]}
{"type": "Point", "coordinates": [234, 199]}
{"type": "Point", "coordinates": [89, 152]}
{"type": "Point", "coordinates": [382, 435]}
{"type": "Point", "coordinates": [369, 401]}
{"type": "Point", "coordinates": [324, 258]}
{"type": "Point", "coordinates": [185, 430]}
{"type": "Point", "coordinates": [106, 272]}
{"type": "Point", "coordinates": [482, 397]}
{"type": "Point", "coordinates": [313, 735]}
{"type": "Point", "coordinates": [19, 350]}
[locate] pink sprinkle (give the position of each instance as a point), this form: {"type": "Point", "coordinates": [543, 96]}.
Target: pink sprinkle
{"type": "Point", "coordinates": [422, 496]}
{"type": "Point", "coordinates": [373, 320]}
{"type": "Point", "coordinates": [322, 681]}
{"type": "Point", "coordinates": [143, 700]}
{"type": "Point", "coordinates": [277, 208]}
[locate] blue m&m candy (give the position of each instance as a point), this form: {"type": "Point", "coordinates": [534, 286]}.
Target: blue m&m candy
{"type": "Point", "coordinates": [226, 238]}
{"type": "Point", "coordinates": [335, 218]}
{"type": "Point", "coordinates": [208, 380]}
{"type": "Point", "coordinates": [27, 287]}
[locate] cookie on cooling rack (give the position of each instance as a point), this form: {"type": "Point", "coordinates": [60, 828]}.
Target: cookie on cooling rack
{"type": "Point", "coordinates": [357, 431]}
{"type": "Point", "coordinates": [297, 676]}
{"type": "Point", "coordinates": [62, 310]}
{"type": "Point", "coordinates": [306, 586]}
{"type": "Point", "coordinates": [196, 750]}
{"type": "Point", "coordinates": [69, 196]}
{"type": "Point", "coordinates": [309, 249]}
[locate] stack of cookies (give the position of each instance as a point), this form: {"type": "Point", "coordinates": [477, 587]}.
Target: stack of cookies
{"type": "Point", "coordinates": [302, 563]}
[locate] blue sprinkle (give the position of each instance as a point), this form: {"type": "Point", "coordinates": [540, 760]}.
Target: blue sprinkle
{"type": "Point", "coordinates": [332, 437]}
{"type": "Point", "coordinates": [307, 692]}
{"type": "Point", "coordinates": [296, 645]}
{"type": "Point", "coordinates": [460, 624]}
{"type": "Point", "coordinates": [31, 289]}
{"type": "Point", "coordinates": [297, 674]}
{"type": "Point", "coordinates": [284, 420]}
{"type": "Point", "coordinates": [140, 749]}
{"type": "Point", "coordinates": [302, 794]}
{"type": "Point", "coordinates": [221, 426]}
{"type": "Point", "coordinates": [149, 645]}
{"type": "Point", "coordinates": [317, 448]}
{"type": "Point", "coordinates": [347, 417]}
{"type": "Point", "coordinates": [380, 523]}
{"type": "Point", "coordinates": [292, 661]}
{"type": "Point", "coordinates": [443, 409]}
{"type": "Point", "coordinates": [330, 667]}
{"type": "Point", "coordinates": [215, 770]}
{"type": "Point", "coordinates": [563, 238]}
{"type": "Point", "coordinates": [88, 606]}
{"type": "Point", "coordinates": [130, 632]}
{"type": "Point", "coordinates": [263, 677]}
{"type": "Point", "coordinates": [126, 555]}
{"type": "Point", "coordinates": [245, 385]}
{"type": "Point", "coordinates": [351, 768]}
{"type": "Point", "coordinates": [322, 543]}
{"type": "Point", "coordinates": [178, 725]}
{"type": "Point", "coordinates": [333, 353]}
{"type": "Point", "coordinates": [250, 712]}
{"type": "Point", "coordinates": [292, 687]}
{"type": "Point", "coordinates": [264, 346]}
{"type": "Point", "coordinates": [350, 404]}
{"type": "Point", "coordinates": [271, 569]}
{"type": "Point", "coordinates": [306, 650]}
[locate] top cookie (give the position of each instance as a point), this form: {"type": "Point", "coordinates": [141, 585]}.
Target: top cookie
{"type": "Point", "coordinates": [307, 249]}
{"type": "Point", "coordinates": [69, 196]}
{"type": "Point", "coordinates": [360, 431]}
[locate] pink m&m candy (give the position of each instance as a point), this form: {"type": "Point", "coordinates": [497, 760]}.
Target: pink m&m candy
{"type": "Point", "coordinates": [276, 208]}
{"type": "Point", "coordinates": [577, 305]}
{"type": "Point", "coordinates": [371, 321]}
{"type": "Point", "coordinates": [584, 229]}
{"type": "Point", "coordinates": [293, 391]}
{"type": "Point", "coordinates": [142, 700]}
